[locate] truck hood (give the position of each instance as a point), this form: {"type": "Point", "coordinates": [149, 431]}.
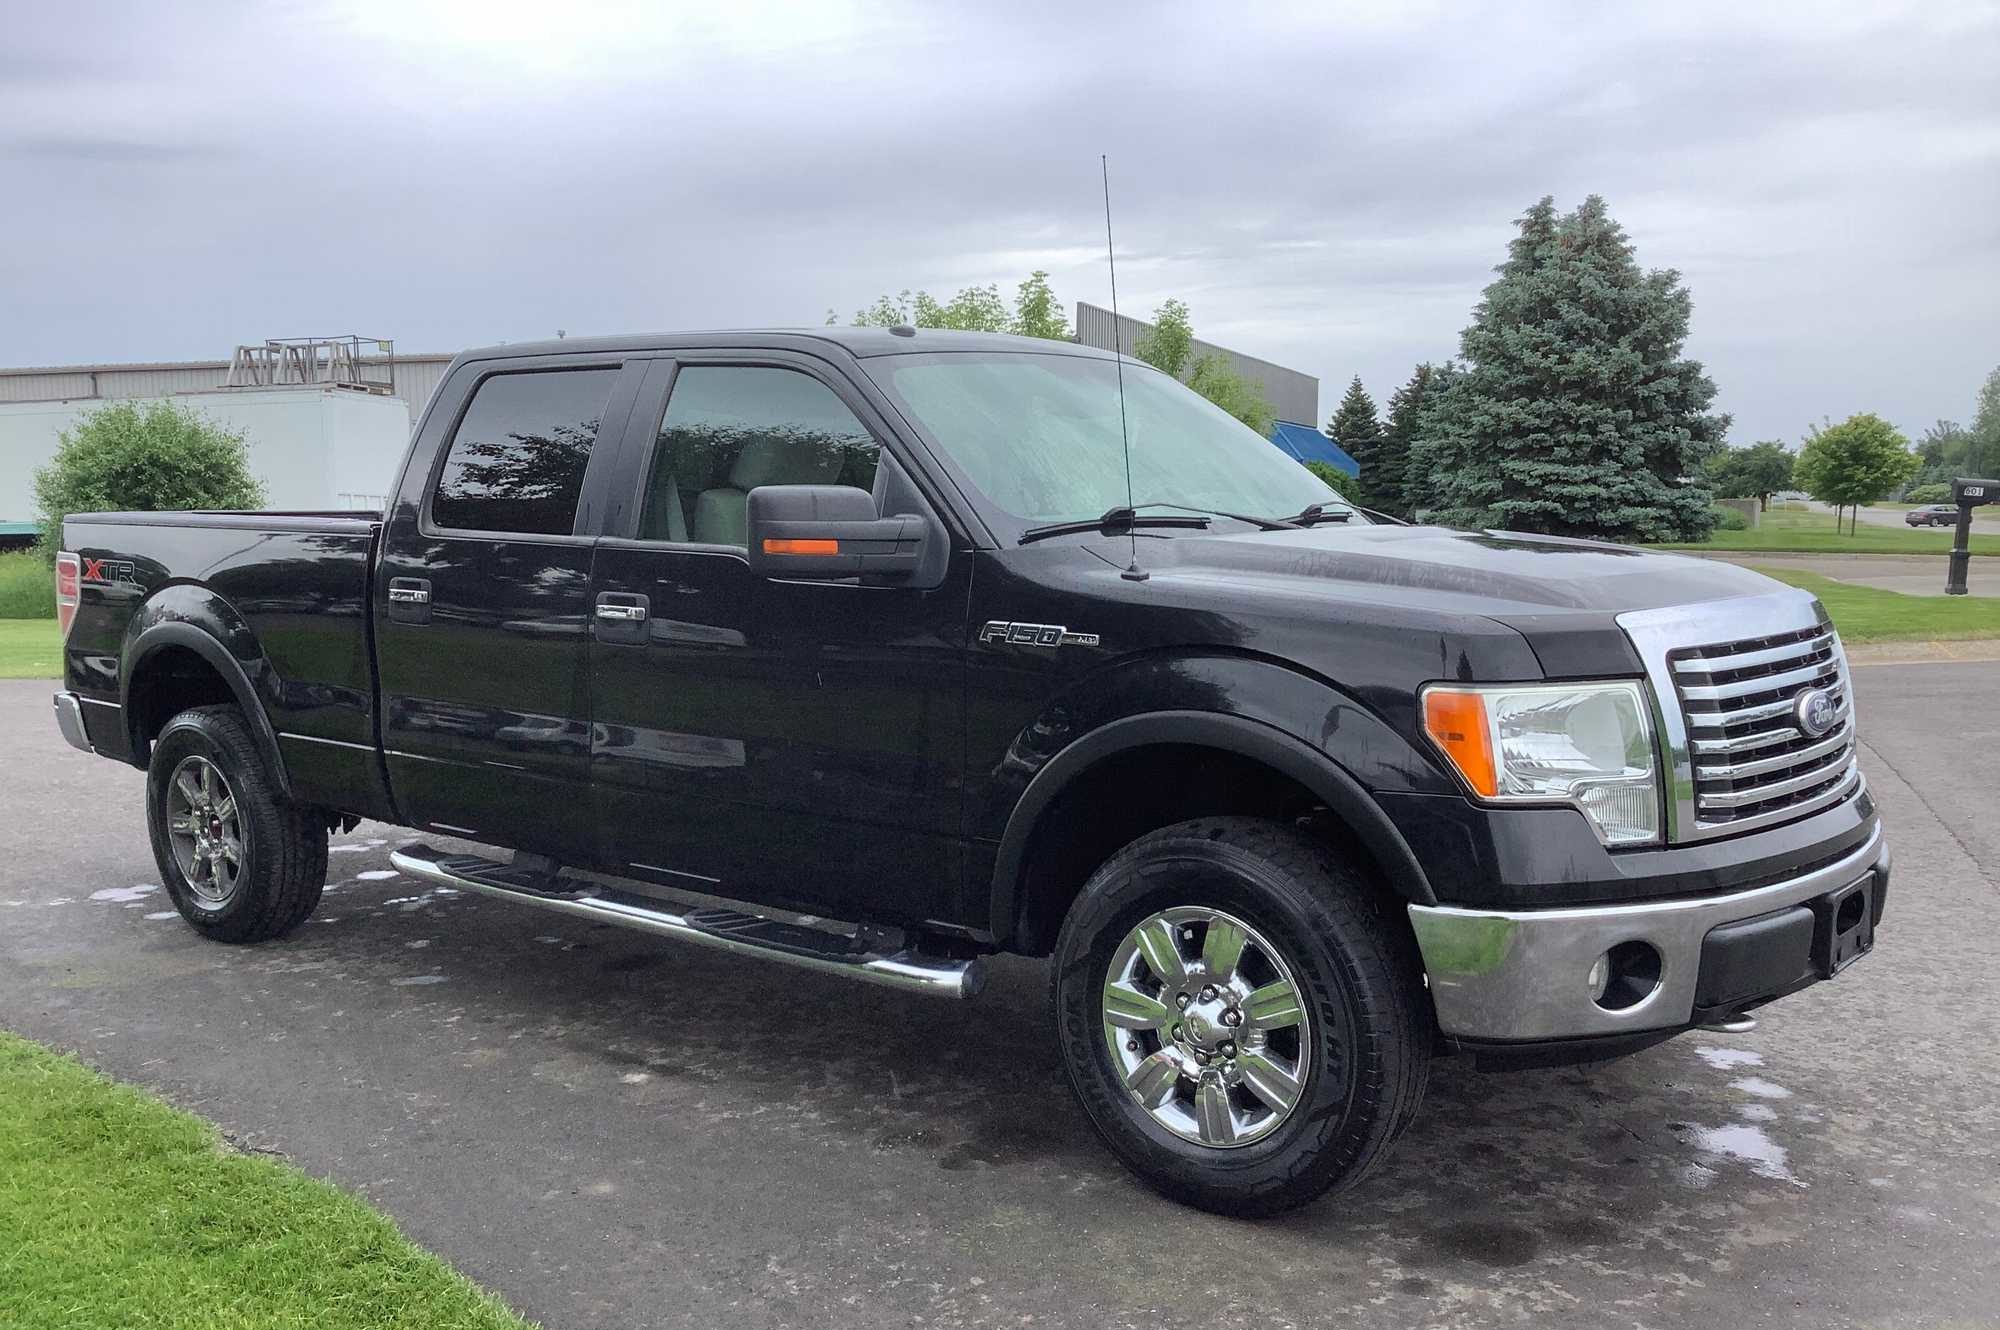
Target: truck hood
{"type": "Point", "coordinates": [1494, 573]}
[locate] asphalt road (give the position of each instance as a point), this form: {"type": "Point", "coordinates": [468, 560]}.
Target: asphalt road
{"type": "Point", "coordinates": [613, 1131]}
{"type": "Point", "coordinates": [1982, 517]}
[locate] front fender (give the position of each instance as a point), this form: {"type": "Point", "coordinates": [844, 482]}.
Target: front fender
{"type": "Point", "coordinates": [1293, 722]}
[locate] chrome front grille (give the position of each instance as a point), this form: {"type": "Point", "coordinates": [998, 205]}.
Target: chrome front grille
{"type": "Point", "coordinates": [1727, 679]}
{"type": "Point", "coordinates": [1749, 756]}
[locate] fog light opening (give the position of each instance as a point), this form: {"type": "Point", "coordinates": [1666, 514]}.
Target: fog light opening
{"type": "Point", "coordinates": [1625, 976]}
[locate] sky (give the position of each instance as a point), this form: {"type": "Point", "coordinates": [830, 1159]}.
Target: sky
{"type": "Point", "coordinates": [1326, 186]}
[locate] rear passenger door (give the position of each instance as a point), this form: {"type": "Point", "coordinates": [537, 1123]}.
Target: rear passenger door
{"type": "Point", "coordinates": [483, 603]}
{"type": "Point", "coordinates": [791, 743]}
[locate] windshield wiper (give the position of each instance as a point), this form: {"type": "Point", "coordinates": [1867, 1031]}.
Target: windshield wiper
{"type": "Point", "coordinates": [1263, 523]}
{"type": "Point", "coordinates": [1113, 522]}
{"type": "Point", "coordinates": [1320, 512]}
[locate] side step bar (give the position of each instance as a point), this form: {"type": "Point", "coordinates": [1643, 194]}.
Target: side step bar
{"type": "Point", "coordinates": [727, 930]}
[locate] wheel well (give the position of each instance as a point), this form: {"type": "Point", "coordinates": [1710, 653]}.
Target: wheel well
{"type": "Point", "coordinates": [1130, 793]}
{"type": "Point", "coordinates": [170, 681]}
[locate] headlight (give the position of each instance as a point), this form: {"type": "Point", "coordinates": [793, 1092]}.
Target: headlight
{"type": "Point", "coordinates": [1586, 744]}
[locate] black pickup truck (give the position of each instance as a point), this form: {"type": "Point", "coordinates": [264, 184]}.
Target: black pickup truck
{"type": "Point", "coordinates": [728, 636]}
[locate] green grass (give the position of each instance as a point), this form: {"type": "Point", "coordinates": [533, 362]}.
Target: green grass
{"type": "Point", "coordinates": [1813, 533]}
{"type": "Point", "coordinates": [116, 1210]}
{"type": "Point", "coordinates": [30, 649]}
{"type": "Point", "coordinates": [27, 586]}
{"type": "Point", "coordinates": [1868, 614]}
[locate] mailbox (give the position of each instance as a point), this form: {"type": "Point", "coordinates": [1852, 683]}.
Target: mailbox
{"type": "Point", "coordinates": [1968, 493]}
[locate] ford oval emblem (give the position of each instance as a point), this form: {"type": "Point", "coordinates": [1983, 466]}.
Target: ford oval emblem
{"type": "Point", "coordinates": [1815, 712]}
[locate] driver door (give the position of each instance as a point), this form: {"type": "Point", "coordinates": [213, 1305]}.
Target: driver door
{"type": "Point", "coordinates": [786, 742]}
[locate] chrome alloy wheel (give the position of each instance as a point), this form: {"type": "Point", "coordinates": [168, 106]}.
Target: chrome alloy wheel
{"type": "Point", "coordinates": [205, 830]}
{"type": "Point", "coordinates": [1207, 1027]}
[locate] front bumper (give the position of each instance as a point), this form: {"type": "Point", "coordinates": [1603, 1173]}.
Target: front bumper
{"type": "Point", "coordinates": [69, 719]}
{"type": "Point", "coordinates": [1522, 976]}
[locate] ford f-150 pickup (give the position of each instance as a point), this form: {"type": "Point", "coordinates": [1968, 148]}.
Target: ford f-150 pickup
{"type": "Point", "coordinates": [978, 644]}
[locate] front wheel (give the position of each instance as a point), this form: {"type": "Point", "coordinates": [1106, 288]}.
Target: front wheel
{"type": "Point", "coordinates": [1241, 1015]}
{"type": "Point", "coordinates": [241, 862]}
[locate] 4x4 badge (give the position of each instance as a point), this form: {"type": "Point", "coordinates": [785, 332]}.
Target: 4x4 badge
{"type": "Point", "coordinates": [1034, 634]}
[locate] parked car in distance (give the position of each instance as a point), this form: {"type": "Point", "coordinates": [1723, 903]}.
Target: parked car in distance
{"type": "Point", "coordinates": [768, 630]}
{"type": "Point", "coordinates": [1932, 514]}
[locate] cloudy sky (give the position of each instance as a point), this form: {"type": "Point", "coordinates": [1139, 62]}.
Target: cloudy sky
{"type": "Point", "coordinates": [1326, 186]}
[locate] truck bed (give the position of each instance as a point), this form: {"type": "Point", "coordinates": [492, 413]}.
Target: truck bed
{"type": "Point", "coordinates": [274, 604]}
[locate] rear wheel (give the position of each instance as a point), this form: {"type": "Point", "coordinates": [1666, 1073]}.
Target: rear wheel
{"type": "Point", "coordinates": [241, 862]}
{"type": "Point", "coordinates": [1240, 1014]}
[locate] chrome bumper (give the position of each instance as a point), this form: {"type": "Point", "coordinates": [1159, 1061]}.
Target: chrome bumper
{"type": "Point", "coordinates": [69, 719]}
{"type": "Point", "coordinates": [1524, 974]}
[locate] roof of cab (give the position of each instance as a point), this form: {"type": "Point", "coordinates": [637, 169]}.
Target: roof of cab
{"type": "Point", "coordinates": [858, 342]}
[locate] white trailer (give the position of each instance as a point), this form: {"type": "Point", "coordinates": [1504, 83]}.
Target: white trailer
{"type": "Point", "coordinates": [313, 447]}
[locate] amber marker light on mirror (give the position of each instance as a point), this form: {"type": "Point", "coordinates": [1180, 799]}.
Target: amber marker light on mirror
{"type": "Point", "coordinates": [1456, 723]}
{"type": "Point", "coordinates": [819, 547]}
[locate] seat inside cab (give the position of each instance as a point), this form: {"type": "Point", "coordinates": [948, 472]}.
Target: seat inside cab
{"type": "Point", "coordinates": [729, 429]}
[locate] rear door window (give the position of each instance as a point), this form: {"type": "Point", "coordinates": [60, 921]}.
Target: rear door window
{"type": "Point", "coordinates": [516, 463]}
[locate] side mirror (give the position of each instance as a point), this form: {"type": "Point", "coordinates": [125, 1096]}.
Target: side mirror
{"type": "Point", "coordinates": [829, 533]}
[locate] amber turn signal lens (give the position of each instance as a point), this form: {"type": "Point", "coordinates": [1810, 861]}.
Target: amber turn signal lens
{"type": "Point", "coordinates": [821, 547]}
{"type": "Point", "coordinates": [1456, 722]}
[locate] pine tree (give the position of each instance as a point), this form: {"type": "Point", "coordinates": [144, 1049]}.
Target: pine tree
{"type": "Point", "coordinates": [1407, 407]}
{"type": "Point", "coordinates": [1575, 412]}
{"type": "Point", "coordinates": [1355, 427]}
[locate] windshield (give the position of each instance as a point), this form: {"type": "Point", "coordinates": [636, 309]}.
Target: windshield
{"type": "Point", "coordinates": [1037, 436]}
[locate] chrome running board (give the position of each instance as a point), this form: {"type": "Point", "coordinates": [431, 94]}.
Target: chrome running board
{"type": "Point", "coordinates": [708, 926]}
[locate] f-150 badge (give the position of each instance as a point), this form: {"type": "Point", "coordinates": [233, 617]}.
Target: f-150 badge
{"type": "Point", "coordinates": [1034, 635]}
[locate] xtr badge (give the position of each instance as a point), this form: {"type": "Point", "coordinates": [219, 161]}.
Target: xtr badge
{"type": "Point", "coordinates": [1034, 635]}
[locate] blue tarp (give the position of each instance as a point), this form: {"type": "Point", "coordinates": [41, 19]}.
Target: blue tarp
{"type": "Point", "coordinates": [1305, 444]}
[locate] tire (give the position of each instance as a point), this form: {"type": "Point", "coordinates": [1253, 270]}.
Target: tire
{"type": "Point", "coordinates": [207, 775]}
{"type": "Point", "coordinates": [1354, 1064]}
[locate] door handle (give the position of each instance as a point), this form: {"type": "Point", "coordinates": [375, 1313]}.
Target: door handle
{"type": "Point", "coordinates": [410, 599]}
{"type": "Point", "coordinates": [621, 618]}
{"type": "Point", "coordinates": [622, 613]}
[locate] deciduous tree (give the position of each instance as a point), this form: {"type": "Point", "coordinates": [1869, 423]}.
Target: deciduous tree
{"type": "Point", "coordinates": [1855, 462]}
{"type": "Point", "coordinates": [1756, 472]}
{"type": "Point", "coordinates": [1168, 345]}
{"type": "Point", "coordinates": [142, 457]}
{"type": "Point", "coordinates": [1036, 312]}
{"type": "Point", "coordinates": [1212, 378]}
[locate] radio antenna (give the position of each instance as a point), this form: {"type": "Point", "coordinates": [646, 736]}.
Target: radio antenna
{"type": "Point", "coordinates": [1132, 571]}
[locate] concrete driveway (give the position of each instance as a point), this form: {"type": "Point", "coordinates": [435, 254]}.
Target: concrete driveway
{"type": "Point", "coordinates": [610, 1131]}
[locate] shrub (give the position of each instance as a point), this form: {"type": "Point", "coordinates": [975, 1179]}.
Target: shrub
{"type": "Point", "coordinates": [1728, 519]}
{"type": "Point", "coordinates": [1928, 494]}
{"type": "Point", "coordinates": [142, 457]}
{"type": "Point", "coordinates": [27, 587]}
{"type": "Point", "coordinates": [1343, 484]}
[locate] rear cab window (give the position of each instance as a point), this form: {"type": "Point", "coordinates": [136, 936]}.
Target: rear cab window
{"type": "Point", "coordinates": [517, 460]}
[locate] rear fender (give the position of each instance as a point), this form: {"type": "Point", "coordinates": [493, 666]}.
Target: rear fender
{"type": "Point", "coordinates": [194, 618]}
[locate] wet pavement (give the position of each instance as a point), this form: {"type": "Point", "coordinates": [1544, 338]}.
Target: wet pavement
{"type": "Point", "coordinates": [613, 1131]}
